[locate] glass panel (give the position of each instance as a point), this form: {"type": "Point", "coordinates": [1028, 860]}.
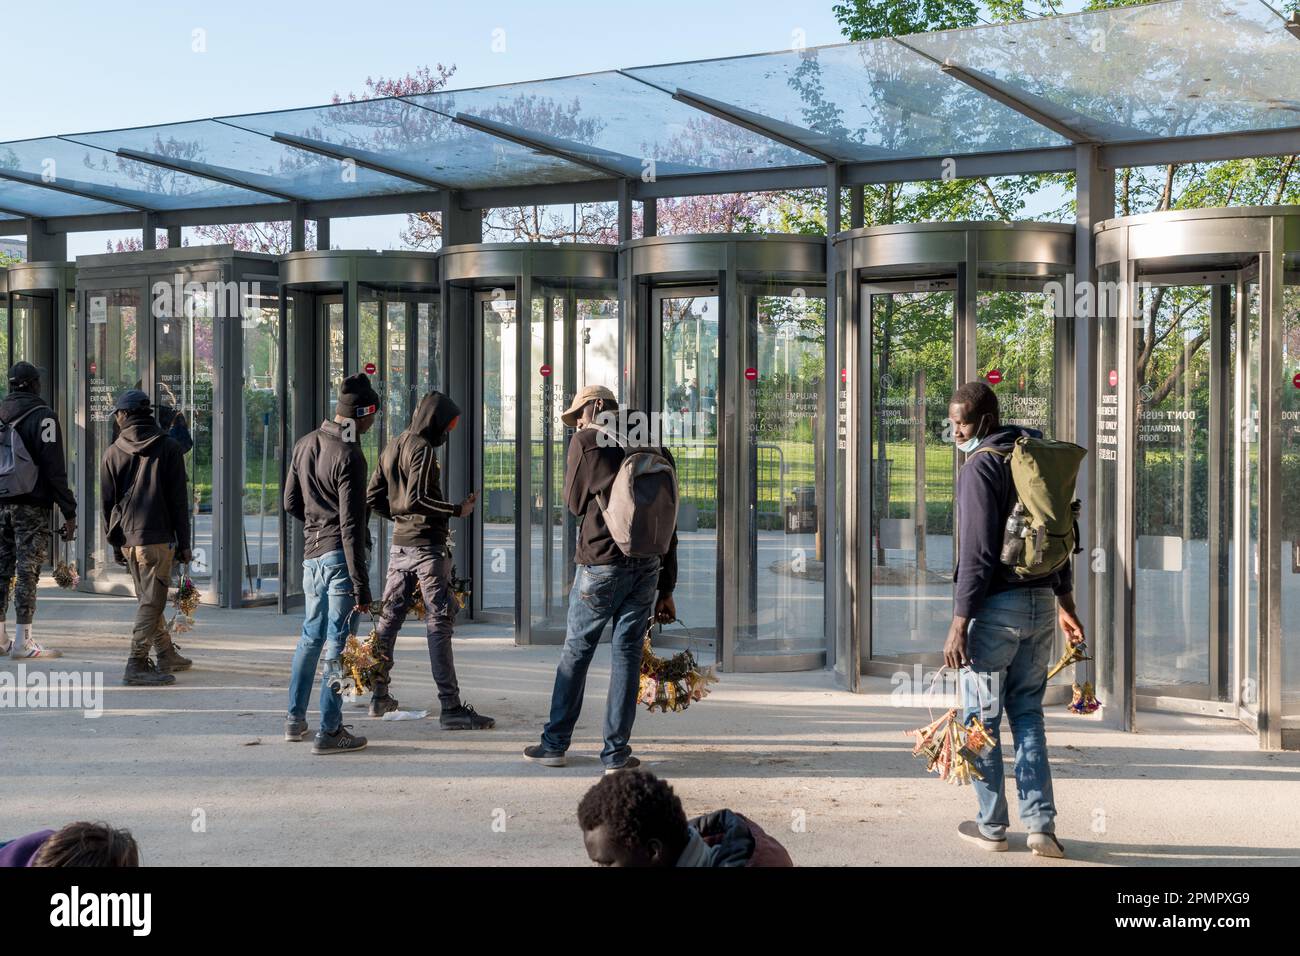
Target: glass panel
{"type": "Point", "coordinates": [4, 345]}
{"type": "Point", "coordinates": [1289, 526]}
{"type": "Point", "coordinates": [43, 202]}
{"type": "Point", "coordinates": [372, 441]}
{"type": "Point", "coordinates": [399, 135]}
{"type": "Point", "coordinates": [332, 319]}
{"type": "Point", "coordinates": [1172, 583]}
{"type": "Point", "coordinates": [1245, 579]}
{"type": "Point", "coordinates": [597, 359]}
{"type": "Point", "coordinates": [689, 397]}
{"type": "Point", "coordinates": [68, 409]}
{"type": "Point", "coordinates": [113, 364]}
{"type": "Point", "coordinates": [251, 158]}
{"type": "Point", "coordinates": [550, 584]}
{"type": "Point", "coordinates": [260, 422]}
{"type": "Point", "coordinates": [1014, 349]}
{"type": "Point", "coordinates": [913, 469]}
{"type": "Point", "coordinates": [184, 355]}
{"type": "Point", "coordinates": [500, 393]}
{"type": "Point", "coordinates": [783, 607]}
{"type": "Point", "coordinates": [1105, 491]}
{"type": "Point", "coordinates": [428, 344]}
{"type": "Point", "coordinates": [300, 320]}
{"type": "Point", "coordinates": [1142, 71]}
{"type": "Point", "coordinates": [859, 101]}
{"type": "Point", "coordinates": [619, 122]}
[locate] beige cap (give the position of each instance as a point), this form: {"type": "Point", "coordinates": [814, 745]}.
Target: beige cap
{"type": "Point", "coordinates": [588, 394]}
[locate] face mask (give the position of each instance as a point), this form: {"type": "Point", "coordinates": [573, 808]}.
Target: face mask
{"type": "Point", "coordinates": [967, 447]}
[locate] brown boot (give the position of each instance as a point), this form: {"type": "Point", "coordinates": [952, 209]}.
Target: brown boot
{"type": "Point", "coordinates": [169, 658]}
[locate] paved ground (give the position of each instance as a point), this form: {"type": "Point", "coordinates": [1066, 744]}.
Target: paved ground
{"type": "Point", "coordinates": [782, 748]}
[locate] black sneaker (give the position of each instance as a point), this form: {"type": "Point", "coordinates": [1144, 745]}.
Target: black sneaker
{"type": "Point", "coordinates": [547, 758]}
{"type": "Point", "coordinates": [295, 729]}
{"type": "Point", "coordinates": [340, 742]}
{"type": "Point", "coordinates": [970, 831]}
{"type": "Point", "coordinates": [143, 673]}
{"type": "Point", "coordinates": [1045, 844]}
{"type": "Point", "coordinates": [631, 763]}
{"type": "Point", "coordinates": [382, 705]}
{"type": "Point", "coordinates": [465, 717]}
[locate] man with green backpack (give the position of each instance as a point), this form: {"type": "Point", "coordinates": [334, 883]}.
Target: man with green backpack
{"type": "Point", "coordinates": [1016, 533]}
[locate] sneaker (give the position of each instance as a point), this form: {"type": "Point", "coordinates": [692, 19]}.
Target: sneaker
{"type": "Point", "coordinates": [382, 705]}
{"type": "Point", "coordinates": [970, 831]}
{"type": "Point", "coordinates": [631, 763]}
{"type": "Point", "coordinates": [30, 650]}
{"type": "Point", "coordinates": [465, 717]}
{"type": "Point", "coordinates": [340, 742]}
{"type": "Point", "coordinates": [295, 729]}
{"type": "Point", "coordinates": [547, 758]}
{"type": "Point", "coordinates": [1046, 844]}
{"type": "Point", "coordinates": [143, 673]}
{"type": "Point", "coordinates": [170, 660]}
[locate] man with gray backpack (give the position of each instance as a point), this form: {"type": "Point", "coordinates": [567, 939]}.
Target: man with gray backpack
{"type": "Point", "coordinates": [33, 478]}
{"type": "Point", "coordinates": [623, 489]}
{"type": "Point", "coordinates": [1013, 585]}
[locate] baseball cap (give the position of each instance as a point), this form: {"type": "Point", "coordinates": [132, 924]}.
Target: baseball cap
{"type": "Point", "coordinates": [589, 394]}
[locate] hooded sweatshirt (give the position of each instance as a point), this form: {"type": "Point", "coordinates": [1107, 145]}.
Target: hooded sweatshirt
{"type": "Point", "coordinates": [406, 487]}
{"type": "Point", "coordinates": [725, 838]}
{"type": "Point", "coordinates": [985, 497]}
{"type": "Point", "coordinates": [22, 851]}
{"type": "Point", "coordinates": [52, 487]}
{"type": "Point", "coordinates": [144, 472]}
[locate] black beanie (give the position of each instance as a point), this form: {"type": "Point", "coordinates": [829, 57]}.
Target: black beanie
{"type": "Point", "coordinates": [356, 397]}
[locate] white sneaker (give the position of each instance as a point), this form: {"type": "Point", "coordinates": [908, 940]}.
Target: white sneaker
{"type": "Point", "coordinates": [30, 649]}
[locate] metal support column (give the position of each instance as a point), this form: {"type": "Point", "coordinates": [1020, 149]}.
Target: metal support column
{"type": "Point", "coordinates": [297, 229]}
{"type": "Point", "coordinates": [843, 656]}
{"type": "Point", "coordinates": [173, 237]}
{"type": "Point", "coordinates": [43, 245]}
{"type": "Point", "coordinates": [1270, 434]}
{"type": "Point", "coordinates": [650, 217]}
{"type": "Point", "coordinates": [624, 210]}
{"type": "Point", "coordinates": [322, 234]}
{"type": "Point", "coordinates": [460, 226]}
{"type": "Point", "coordinates": [148, 231]}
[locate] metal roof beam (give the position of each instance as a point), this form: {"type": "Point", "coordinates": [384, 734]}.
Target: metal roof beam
{"type": "Point", "coordinates": [599, 161]}
{"type": "Point", "coordinates": [240, 179]}
{"type": "Point", "coordinates": [374, 162]}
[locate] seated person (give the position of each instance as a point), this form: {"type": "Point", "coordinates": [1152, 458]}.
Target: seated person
{"type": "Point", "coordinates": [632, 818]}
{"type": "Point", "coordinates": [77, 844]}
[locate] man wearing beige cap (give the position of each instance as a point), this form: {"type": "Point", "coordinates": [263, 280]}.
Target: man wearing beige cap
{"type": "Point", "coordinates": [609, 584]}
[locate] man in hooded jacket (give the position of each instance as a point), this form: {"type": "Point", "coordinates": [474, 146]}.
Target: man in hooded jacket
{"type": "Point", "coordinates": [406, 489]}
{"type": "Point", "coordinates": [142, 498]}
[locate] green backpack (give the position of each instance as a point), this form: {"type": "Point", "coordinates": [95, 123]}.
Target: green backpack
{"type": "Point", "coordinates": [1042, 531]}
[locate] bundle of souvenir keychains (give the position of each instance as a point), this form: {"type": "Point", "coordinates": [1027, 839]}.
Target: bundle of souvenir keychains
{"type": "Point", "coordinates": [65, 572]}
{"type": "Point", "coordinates": [1083, 698]}
{"type": "Point", "coordinates": [186, 602]}
{"type": "Point", "coordinates": [672, 683]}
{"type": "Point", "coordinates": [951, 747]}
{"type": "Point", "coordinates": [361, 659]}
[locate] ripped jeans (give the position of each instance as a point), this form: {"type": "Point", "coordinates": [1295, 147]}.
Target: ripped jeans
{"type": "Point", "coordinates": [326, 626]}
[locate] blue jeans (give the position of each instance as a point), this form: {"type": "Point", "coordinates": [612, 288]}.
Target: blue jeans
{"type": "Point", "coordinates": [326, 625]}
{"type": "Point", "coordinates": [1009, 643]}
{"type": "Point", "coordinates": [625, 594]}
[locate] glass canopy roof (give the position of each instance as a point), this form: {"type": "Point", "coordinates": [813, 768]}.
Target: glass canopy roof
{"type": "Point", "coordinates": [1154, 73]}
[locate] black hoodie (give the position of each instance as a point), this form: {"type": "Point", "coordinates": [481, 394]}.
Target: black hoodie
{"type": "Point", "coordinates": [406, 487]}
{"type": "Point", "coordinates": [52, 487]}
{"type": "Point", "coordinates": [145, 470]}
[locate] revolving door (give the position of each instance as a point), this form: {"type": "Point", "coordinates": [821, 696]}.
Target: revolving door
{"type": "Point", "coordinates": [923, 308]}
{"type": "Point", "coordinates": [531, 325]}
{"type": "Point", "coordinates": [1198, 474]}
{"type": "Point", "coordinates": [730, 339]}
{"type": "Point", "coordinates": [342, 313]}
{"type": "Point", "coordinates": [177, 324]}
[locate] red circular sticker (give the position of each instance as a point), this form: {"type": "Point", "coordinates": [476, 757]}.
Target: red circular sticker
{"type": "Point", "coordinates": [371, 368]}
{"type": "Point", "coordinates": [844, 375]}
{"type": "Point", "coordinates": [93, 368]}
{"type": "Point", "coordinates": [751, 374]}
{"type": "Point", "coordinates": [1296, 381]}
{"type": "Point", "coordinates": [546, 371]}
{"type": "Point", "coordinates": [1114, 378]}
{"type": "Point", "coordinates": [995, 376]}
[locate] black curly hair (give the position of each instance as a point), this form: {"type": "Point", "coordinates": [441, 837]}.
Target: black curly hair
{"type": "Point", "coordinates": [977, 399]}
{"type": "Point", "coordinates": [637, 807]}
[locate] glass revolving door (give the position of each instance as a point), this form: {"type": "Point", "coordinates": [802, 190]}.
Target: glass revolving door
{"type": "Point", "coordinates": [531, 326]}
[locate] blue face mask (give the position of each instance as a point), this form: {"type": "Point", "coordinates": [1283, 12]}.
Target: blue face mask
{"type": "Point", "coordinates": [967, 447]}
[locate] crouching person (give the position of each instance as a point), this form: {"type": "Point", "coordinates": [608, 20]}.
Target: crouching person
{"type": "Point", "coordinates": [634, 819]}
{"type": "Point", "coordinates": [326, 490]}
{"type": "Point", "coordinates": [406, 490]}
{"type": "Point", "coordinates": [142, 498]}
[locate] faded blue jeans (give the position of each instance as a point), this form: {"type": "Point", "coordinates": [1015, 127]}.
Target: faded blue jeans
{"type": "Point", "coordinates": [327, 622]}
{"type": "Point", "coordinates": [625, 594]}
{"type": "Point", "coordinates": [1009, 643]}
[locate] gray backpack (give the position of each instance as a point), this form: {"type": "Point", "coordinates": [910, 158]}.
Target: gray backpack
{"type": "Point", "coordinates": [19, 472]}
{"type": "Point", "coordinates": [641, 505]}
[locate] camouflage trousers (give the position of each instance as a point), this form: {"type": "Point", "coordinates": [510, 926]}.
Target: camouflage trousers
{"type": "Point", "coordinates": [24, 537]}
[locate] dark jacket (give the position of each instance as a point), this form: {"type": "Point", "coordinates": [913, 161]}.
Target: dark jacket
{"type": "Point", "coordinates": [726, 838]}
{"type": "Point", "coordinates": [406, 487]}
{"type": "Point", "coordinates": [326, 490]}
{"type": "Point", "coordinates": [145, 471]}
{"type": "Point", "coordinates": [52, 488]}
{"type": "Point", "coordinates": [590, 471]}
{"type": "Point", "coordinates": [22, 851]}
{"type": "Point", "coordinates": [985, 497]}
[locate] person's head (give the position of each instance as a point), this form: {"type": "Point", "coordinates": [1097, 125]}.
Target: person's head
{"type": "Point", "coordinates": [24, 377]}
{"type": "Point", "coordinates": [130, 403]}
{"type": "Point", "coordinates": [587, 405]}
{"type": "Point", "coordinates": [632, 818]}
{"type": "Point", "coordinates": [357, 401]}
{"type": "Point", "coordinates": [973, 412]}
{"type": "Point", "coordinates": [88, 844]}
